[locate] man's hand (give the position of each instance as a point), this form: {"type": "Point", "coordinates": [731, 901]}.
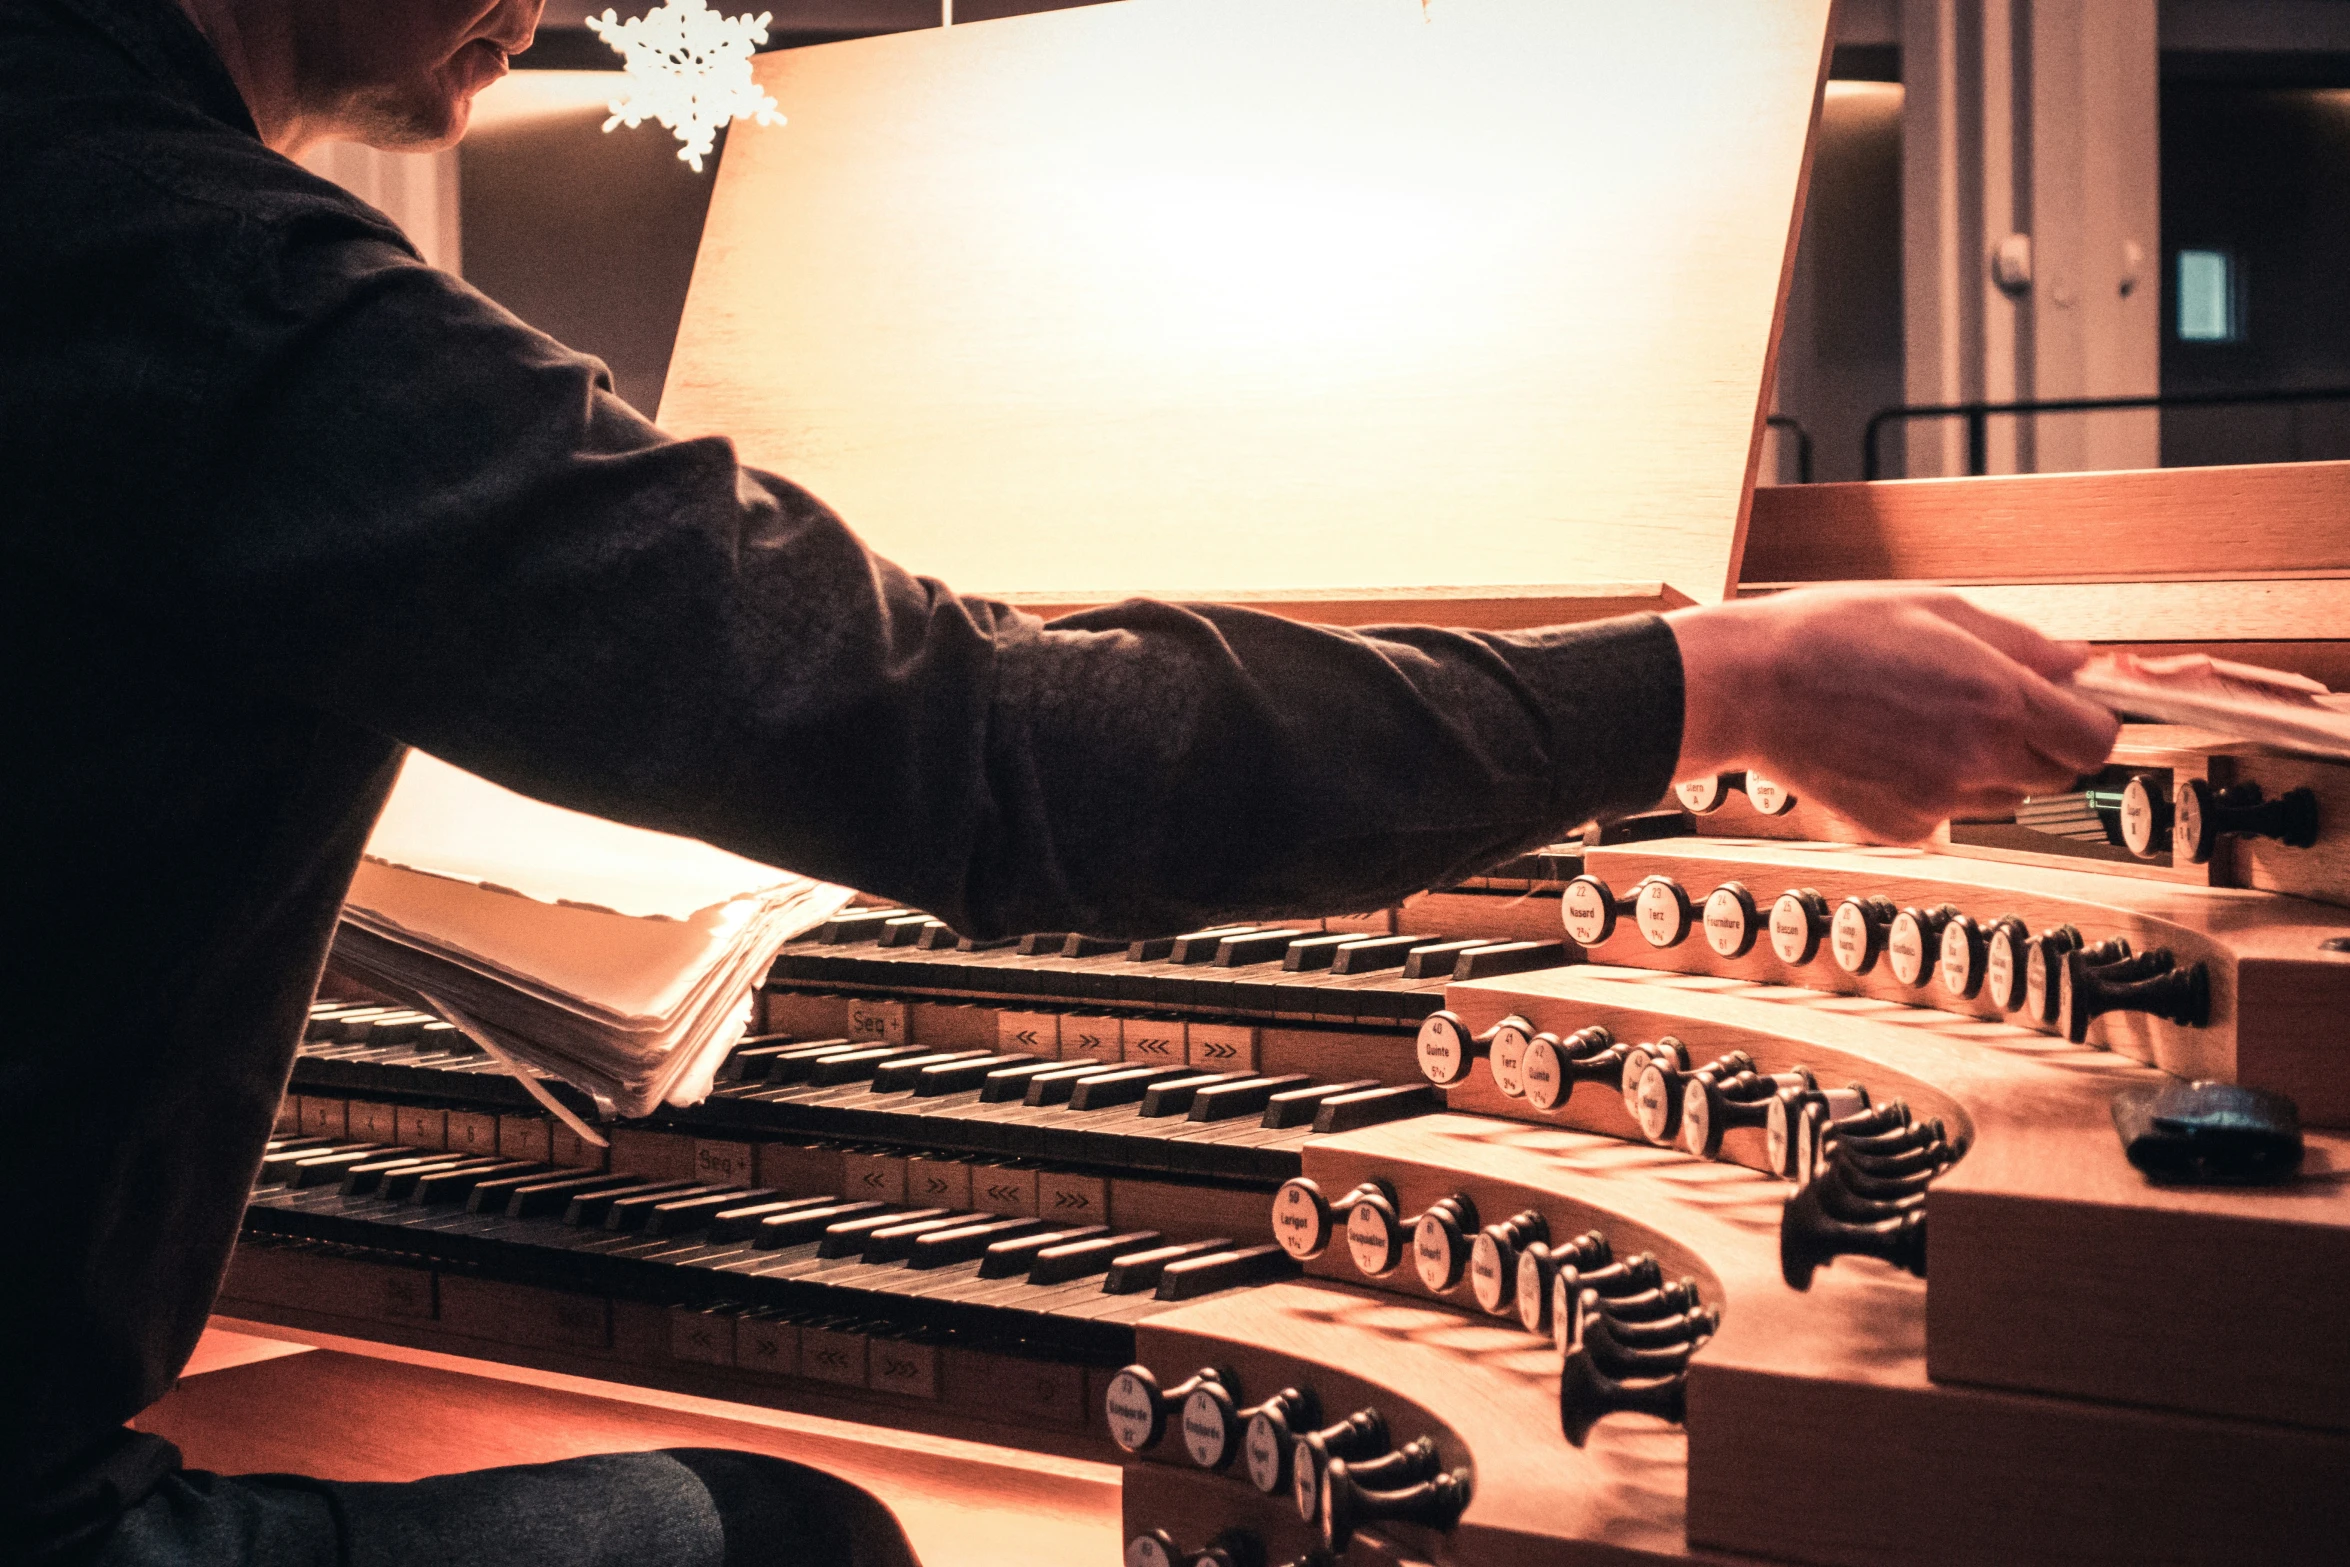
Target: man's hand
{"type": "Point", "coordinates": [1896, 708]}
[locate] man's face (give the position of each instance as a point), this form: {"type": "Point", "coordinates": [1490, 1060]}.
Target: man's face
{"type": "Point", "coordinates": [402, 73]}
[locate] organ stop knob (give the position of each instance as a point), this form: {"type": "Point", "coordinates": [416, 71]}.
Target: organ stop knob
{"type": "Point", "coordinates": [1347, 1504]}
{"type": "Point", "coordinates": [1494, 1260]}
{"type": "Point", "coordinates": [1138, 1408]}
{"type": "Point", "coordinates": [1304, 1222]}
{"type": "Point", "coordinates": [1704, 796]}
{"type": "Point", "coordinates": [1856, 935]}
{"type": "Point", "coordinates": [1731, 921]}
{"type": "Point", "coordinates": [2203, 815]}
{"type": "Point", "coordinates": [1440, 1242]}
{"type": "Point", "coordinates": [1362, 1434]}
{"type": "Point", "coordinates": [1799, 923]}
{"type": "Point", "coordinates": [1270, 1431]}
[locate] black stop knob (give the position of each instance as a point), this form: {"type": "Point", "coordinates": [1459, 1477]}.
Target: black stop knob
{"type": "Point", "coordinates": [1587, 1394]}
{"type": "Point", "coordinates": [1434, 1503]}
{"type": "Point", "coordinates": [2203, 816]}
{"type": "Point", "coordinates": [1554, 1066]}
{"type": "Point", "coordinates": [2149, 983]}
{"type": "Point", "coordinates": [1538, 1267]}
{"type": "Point", "coordinates": [1362, 1434]}
{"type": "Point", "coordinates": [1810, 1237]}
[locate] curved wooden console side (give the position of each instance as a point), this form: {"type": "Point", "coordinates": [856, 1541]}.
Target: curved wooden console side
{"type": "Point", "coordinates": [2277, 996]}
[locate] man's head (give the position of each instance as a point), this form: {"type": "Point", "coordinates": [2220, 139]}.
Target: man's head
{"type": "Point", "coordinates": [395, 74]}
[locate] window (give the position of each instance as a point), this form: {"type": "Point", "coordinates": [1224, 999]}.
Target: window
{"type": "Point", "coordinates": [2210, 305]}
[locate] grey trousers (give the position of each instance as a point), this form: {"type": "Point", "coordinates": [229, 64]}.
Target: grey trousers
{"type": "Point", "coordinates": [686, 1508]}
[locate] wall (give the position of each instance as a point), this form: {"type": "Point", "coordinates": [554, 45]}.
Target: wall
{"type": "Point", "coordinates": [1840, 353]}
{"type": "Point", "coordinates": [2264, 173]}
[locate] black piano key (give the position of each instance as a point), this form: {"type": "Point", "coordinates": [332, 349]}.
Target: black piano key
{"type": "Point", "coordinates": [966, 1242]}
{"type": "Point", "coordinates": [984, 943]}
{"type": "Point", "coordinates": [857, 925]}
{"type": "Point", "coordinates": [279, 1161]}
{"type": "Point", "coordinates": [1038, 943]}
{"type": "Point", "coordinates": [1374, 953]}
{"type": "Point", "coordinates": [1350, 1112]}
{"type": "Point", "coordinates": [900, 1076]}
{"type": "Point", "coordinates": [906, 931]}
{"type": "Point", "coordinates": [1435, 959]}
{"type": "Point", "coordinates": [627, 1215]}
{"type": "Point", "coordinates": [399, 1185]}
{"type": "Point", "coordinates": [1243, 1096]}
{"type": "Point", "coordinates": [1011, 1082]}
{"type": "Point", "coordinates": [1309, 954]}
{"type": "Point", "coordinates": [847, 1237]}
{"type": "Point", "coordinates": [855, 1065]}
{"type": "Point", "coordinates": [1199, 946]}
{"type": "Point", "coordinates": [455, 1185]}
{"type": "Point", "coordinates": [686, 1215]}
{"type": "Point", "coordinates": [748, 1062]}
{"type": "Point", "coordinates": [937, 938]}
{"type": "Point", "coordinates": [963, 1076]}
{"type": "Point", "coordinates": [741, 1224]}
{"type": "Point", "coordinates": [1172, 1096]}
{"type": "Point", "coordinates": [1297, 1106]}
{"type": "Point", "coordinates": [1055, 1087]}
{"type": "Point", "coordinates": [587, 1208]}
{"type": "Point", "coordinates": [549, 1198]}
{"type": "Point", "coordinates": [327, 1166]}
{"type": "Point", "coordinates": [1508, 957]}
{"type": "Point", "coordinates": [1191, 1277]}
{"type": "Point", "coordinates": [366, 1180]}
{"type": "Point", "coordinates": [1013, 1258]}
{"type": "Point", "coordinates": [1124, 1086]}
{"type": "Point", "coordinates": [1139, 1270]}
{"type": "Point", "coordinates": [1256, 946]}
{"type": "Point", "coordinates": [1083, 1259]}
{"type": "Point", "coordinates": [793, 1064]}
{"type": "Point", "coordinates": [895, 1242]}
{"type": "Point", "coordinates": [1079, 946]}
{"type": "Point", "coordinates": [808, 1224]}
{"type": "Point", "coordinates": [493, 1196]}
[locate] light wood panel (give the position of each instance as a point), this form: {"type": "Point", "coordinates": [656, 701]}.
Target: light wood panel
{"type": "Point", "coordinates": [1268, 293]}
{"type": "Point", "coordinates": [2270, 519]}
{"type": "Point", "coordinates": [370, 1412]}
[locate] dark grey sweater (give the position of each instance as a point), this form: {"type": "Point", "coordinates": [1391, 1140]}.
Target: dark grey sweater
{"type": "Point", "coordinates": [277, 499]}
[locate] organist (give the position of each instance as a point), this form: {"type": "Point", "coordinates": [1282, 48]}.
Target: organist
{"type": "Point", "coordinates": [284, 500]}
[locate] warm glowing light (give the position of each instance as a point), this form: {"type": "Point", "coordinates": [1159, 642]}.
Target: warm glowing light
{"type": "Point", "coordinates": [689, 68]}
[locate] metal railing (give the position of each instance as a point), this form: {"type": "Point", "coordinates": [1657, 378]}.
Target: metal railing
{"type": "Point", "coordinates": [1978, 415]}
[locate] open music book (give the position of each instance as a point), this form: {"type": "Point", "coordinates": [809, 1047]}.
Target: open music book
{"type": "Point", "coordinates": [620, 960]}
{"type": "Point", "coordinates": [2241, 701]}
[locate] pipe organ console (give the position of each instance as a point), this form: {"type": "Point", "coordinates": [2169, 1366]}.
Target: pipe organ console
{"type": "Point", "coordinates": [1715, 1186]}
{"type": "Point", "coordinates": [1582, 1213]}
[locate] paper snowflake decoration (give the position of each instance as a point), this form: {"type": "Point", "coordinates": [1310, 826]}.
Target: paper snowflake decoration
{"type": "Point", "coordinates": [689, 68]}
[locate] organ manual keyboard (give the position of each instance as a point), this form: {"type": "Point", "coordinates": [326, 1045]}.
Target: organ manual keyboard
{"type": "Point", "coordinates": [1715, 1185]}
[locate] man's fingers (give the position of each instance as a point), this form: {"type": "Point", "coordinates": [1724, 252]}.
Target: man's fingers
{"type": "Point", "coordinates": [2067, 728]}
{"type": "Point", "coordinates": [2018, 641]}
